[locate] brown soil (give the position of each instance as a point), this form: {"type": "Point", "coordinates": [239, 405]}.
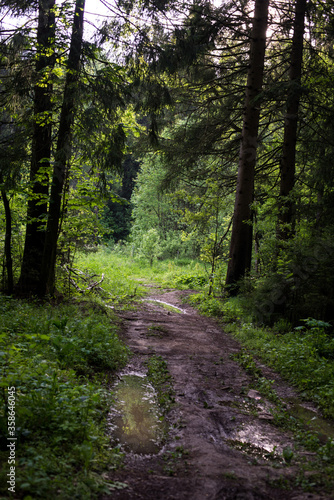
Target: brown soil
{"type": "Point", "coordinates": [232, 449]}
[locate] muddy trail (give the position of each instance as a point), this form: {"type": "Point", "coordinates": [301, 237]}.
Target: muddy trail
{"type": "Point", "coordinates": [222, 442]}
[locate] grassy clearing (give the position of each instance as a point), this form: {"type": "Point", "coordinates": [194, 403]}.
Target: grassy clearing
{"type": "Point", "coordinates": [55, 363]}
{"type": "Point", "coordinates": [125, 276]}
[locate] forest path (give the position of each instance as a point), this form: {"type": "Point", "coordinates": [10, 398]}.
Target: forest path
{"type": "Point", "coordinates": [233, 449]}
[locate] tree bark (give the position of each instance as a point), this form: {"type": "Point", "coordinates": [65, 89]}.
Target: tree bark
{"type": "Point", "coordinates": [41, 151]}
{"type": "Point", "coordinates": [242, 231]}
{"type": "Point", "coordinates": [63, 152]}
{"type": "Point", "coordinates": [287, 167]}
{"type": "Point", "coordinates": [8, 240]}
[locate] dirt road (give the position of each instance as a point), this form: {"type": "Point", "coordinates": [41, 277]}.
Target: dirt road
{"type": "Point", "coordinates": [222, 442]}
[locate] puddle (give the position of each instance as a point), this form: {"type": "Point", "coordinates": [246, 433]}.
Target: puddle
{"type": "Point", "coordinates": [167, 305]}
{"type": "Point", "coordinates": [323, 428]}
{"type": "Point", "coordinates": [256, 451]}
{"type": "Point", "coordinates": [137, 421]}
{"type": "Point", "coordinates": [257, 437]}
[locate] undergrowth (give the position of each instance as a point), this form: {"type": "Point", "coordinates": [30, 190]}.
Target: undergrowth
{"type": "Point", "coordinates": [304, 357]}
{"type": "Point", "coordinates": [54, 363]}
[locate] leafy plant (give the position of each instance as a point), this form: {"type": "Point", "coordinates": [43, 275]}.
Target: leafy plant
{"type": "Point", "coordinates": [192, 281]}
{"type": "Point", "coordinates": [149, 247]}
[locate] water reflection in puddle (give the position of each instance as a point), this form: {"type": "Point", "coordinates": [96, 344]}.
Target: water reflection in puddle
{"type": "Point", "coordinates": [166, 304]}
{"type": "Point", "coordinates": [258, 437]}
{"type": "Point", "coordinates": [138, 423]}
{"type": "Point", "coordinates": [323, 428]}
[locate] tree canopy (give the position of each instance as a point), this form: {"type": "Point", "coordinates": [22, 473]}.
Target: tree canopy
{"type": "Point", "coordinates": [226, 112]}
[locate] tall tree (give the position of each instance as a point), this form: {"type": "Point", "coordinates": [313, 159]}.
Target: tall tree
{"type": "Point", "coordinates": [241, 239]}
{"type": "Point", "coordinates": [41, 149]}
{"type": "Point", "coordinates": [287, 166]}
{"type": "Point", "coordinates": [63, 152]}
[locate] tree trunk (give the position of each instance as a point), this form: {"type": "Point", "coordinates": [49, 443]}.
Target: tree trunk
{"type": "Point", "coordinates": [41, 151]}
{"type": "Point", "coordinates": [8, 241]}
{"type": "Point", "coordinates": [242, 232]}
{"type": "Point", "coordinates": [286, 205]}
{"type": "Point", "coordinates": [63, 152]}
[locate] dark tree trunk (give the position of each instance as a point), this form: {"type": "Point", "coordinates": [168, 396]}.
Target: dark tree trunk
{"type": "Point", "coordinates": [63, 152]}
{"type": "Point", "coordinates": [41, 151]}
{"type": "Point", "coordinates": [8, 241]}
{"type": "Point", "coordinates": [287, 167]}
{"type": "Point", "coordinates": [242, 232]}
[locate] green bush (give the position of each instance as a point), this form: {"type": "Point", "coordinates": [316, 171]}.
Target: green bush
{"type": "Point", "coordinates": [87, 345]}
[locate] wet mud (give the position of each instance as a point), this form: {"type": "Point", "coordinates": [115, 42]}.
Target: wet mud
{"type": "Point", "coordinates": [221, 443]}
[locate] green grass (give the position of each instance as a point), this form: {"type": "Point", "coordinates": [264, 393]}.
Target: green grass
{"type": "Point", "coordinates": [305, 359]}
{"type": "Point", "coordinates": [57, 360]}
{"type": "Point", "coordinates": [125, 276]}
{"type": "Point", "coordinates": [159, 376]}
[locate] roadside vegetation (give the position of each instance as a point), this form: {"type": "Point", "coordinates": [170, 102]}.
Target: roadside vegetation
{"type": "Point", "coordinates": [303, 353]}
{"type": "Point", "coordinates": [59, 361]}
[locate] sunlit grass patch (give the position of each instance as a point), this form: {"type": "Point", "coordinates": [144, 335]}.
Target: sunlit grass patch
{"type": "Point", "coordinates": [125, 277]}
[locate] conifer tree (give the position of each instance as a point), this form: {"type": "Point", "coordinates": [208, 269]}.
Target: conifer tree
{"type": "Point", "coordinates": [41, 149]}
{"type": "Point", "coordinates": [287, 167]}
{"type": "Point", "coordinates": [242, 234]}
{"type": "Point", "coordinates": [63, 152]}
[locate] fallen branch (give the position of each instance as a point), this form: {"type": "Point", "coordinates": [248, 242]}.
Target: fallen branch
{"type": "Point", "coordinates": [90, 287]}
{"type": "Point", "coordinates": [95, 283]}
